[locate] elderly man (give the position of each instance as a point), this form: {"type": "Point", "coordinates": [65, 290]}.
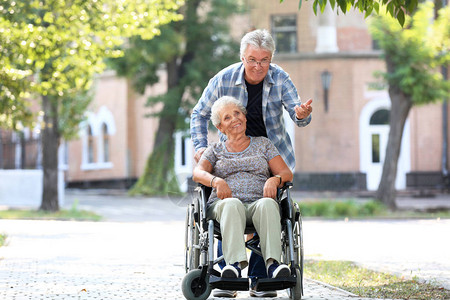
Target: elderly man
{"type": "Point", "coordinates": [264, 89]}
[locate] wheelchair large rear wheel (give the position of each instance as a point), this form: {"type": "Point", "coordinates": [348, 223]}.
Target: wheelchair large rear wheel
{"type": "Point", "coordinates": [194, 288]}
{"type": "Point", "coordinates": [296, 292]}
{"type": "Point", "coordinates": [192, 254]}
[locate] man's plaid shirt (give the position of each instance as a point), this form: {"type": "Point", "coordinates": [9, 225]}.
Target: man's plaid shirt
{"type": "Point", "coordinates": [278, 92]}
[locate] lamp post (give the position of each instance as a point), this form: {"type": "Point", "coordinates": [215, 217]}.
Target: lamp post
{"type": "Point", "coordinates": [326, 81]}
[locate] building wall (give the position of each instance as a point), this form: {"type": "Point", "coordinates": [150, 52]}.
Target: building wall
{"type": "Point", "coordinates": [330, 143]}
{"type": "Point", "coordinates": [130, 143]}
{"type": "Point", "coordinates": [111, 93]}
{"type": "Point", "coordinates": [427, 140]}
{"type": "Point", "coordinates": [327, 150]}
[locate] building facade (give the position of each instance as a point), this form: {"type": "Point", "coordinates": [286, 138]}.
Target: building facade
{"type": "Point", "coordinates": [331, 58]}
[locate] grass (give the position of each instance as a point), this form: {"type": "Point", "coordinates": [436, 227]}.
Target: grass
{"type": "Point", "coordinates": [370, 284]}
{"type": "Point", "coordinates": [3, 237]}
{"type": "Point", "coordinates": [63, 214]}
{"type": "Point", "coordinates": [334, 209]}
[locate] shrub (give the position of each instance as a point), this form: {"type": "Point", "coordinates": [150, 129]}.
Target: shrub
{"type": "Point", "coordinates": [3, 239]}
{"type": "Point", "coordinates": [341, 209]}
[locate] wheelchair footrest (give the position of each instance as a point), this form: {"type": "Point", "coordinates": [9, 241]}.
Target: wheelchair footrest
{"type": "Point", "coordinates": [272, 284]}
{"type": "Point", "coordinates": [237, 284]}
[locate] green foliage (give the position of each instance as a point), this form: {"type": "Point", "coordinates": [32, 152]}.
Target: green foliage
{"type": "Point", "coordinates": [341, 209]}
{"type": "Point", "coordinates": [415, 53]}
{"type": "Point", "coordinates": [370, 284]}
{"type": "Point", "coordinates": [72, 214]}
{"type": "Point", "coordinates": [3, 237]}
{"type": "Point", "coordinates": [53, 48]}
{"type": "Point", "coordinates": [396, 9]}
{"type": "Point", "coordinates": [159, 176]}
{"type": "Point", "coordinates": [191, 51]}
{"type": "Point", "coordinates": [199, 44]}
{"type": "Point", "coordinates": [353, 208]}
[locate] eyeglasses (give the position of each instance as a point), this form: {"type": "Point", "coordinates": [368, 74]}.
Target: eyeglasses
{"type": "Point", "coordinates": [253, 63]}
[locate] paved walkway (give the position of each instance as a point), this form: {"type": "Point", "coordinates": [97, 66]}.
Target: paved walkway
{"type": "Point", "coordinates": [137, 252]}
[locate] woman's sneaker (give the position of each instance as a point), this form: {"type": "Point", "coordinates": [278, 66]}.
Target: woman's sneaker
{"type": "Point", "coordinates": [276, 270]}
{"type": "Point", "coordinates": [231, 271]}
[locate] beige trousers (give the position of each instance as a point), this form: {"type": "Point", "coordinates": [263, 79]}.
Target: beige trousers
{"type": "Point", "coordinates": [233, 216]}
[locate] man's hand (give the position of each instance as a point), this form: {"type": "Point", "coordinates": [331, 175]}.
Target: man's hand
{"type": "Point", "coordinates": [222, 188]}
{"type": "Point", "coordinates": [198, 154]}
{"type": "Point", "coordinates": [270, 187]}
{"type": "Point", "coordinates": [304, 110]}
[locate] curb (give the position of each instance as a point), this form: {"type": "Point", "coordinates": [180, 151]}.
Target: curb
{"type": "Point", "coordinates": [332, 287]}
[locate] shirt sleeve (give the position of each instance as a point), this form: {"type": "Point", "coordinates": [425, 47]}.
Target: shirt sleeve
{"type": "Point", "coordinates": [290, 100]}
{"type": "Point", "coordinates": [201, 115]}
{"type": "Point", "coordinates": [210, 155]}
{"type": "Point", "coordinates": [271, 150]}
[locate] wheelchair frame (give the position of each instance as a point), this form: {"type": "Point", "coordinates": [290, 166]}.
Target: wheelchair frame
{"type": "Point", "coordinates": [200, 234]}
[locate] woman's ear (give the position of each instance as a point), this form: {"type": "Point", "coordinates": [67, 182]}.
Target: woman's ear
{"type": "Point", "coordinates": [219, 127]}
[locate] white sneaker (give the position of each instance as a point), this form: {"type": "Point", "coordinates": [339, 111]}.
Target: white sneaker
{"type": "Point", "coordinates": [231, 271]}
{"type": "Point", "coordinates": [262, 294]}
{"type": "Point", "coordinates": [277, 271]}
{"type": "Point", "coordinates": [224, 293]}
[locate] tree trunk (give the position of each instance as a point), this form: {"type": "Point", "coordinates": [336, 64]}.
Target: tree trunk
{"type": "Point", "coordinates": [159, 177]}
{"type": "Point", "coordinates": [159, 174]}
{"type": "Point", "coordinates": [400, 106]}
{"type": "Point", "coordinates": [50, 144]}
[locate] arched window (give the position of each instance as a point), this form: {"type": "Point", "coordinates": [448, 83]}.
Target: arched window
{"type": "Point", "coordinates": [105, 137]}
{"type": "Point", "coordinates": [90, 145]}
{"type": "Point", "coordinates": [380, 117]}
{"type": "Point", "coordinates": [98, 131]}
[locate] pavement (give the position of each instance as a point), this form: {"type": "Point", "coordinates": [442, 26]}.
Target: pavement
{"type": "Point", "coordinates": [137, 251]}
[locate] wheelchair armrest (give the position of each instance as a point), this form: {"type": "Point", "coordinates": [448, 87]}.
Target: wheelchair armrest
{"type": "Point", "coordinates": [206, 190]}
{"type": "Point", "coordinates": [280, 191]}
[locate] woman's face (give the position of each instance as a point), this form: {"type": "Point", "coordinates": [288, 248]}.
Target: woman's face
{"type": "Point", "coordinates": [232, 120]}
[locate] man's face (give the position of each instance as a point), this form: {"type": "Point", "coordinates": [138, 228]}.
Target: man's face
{"type": "Point", "coordinates": [254, 74]}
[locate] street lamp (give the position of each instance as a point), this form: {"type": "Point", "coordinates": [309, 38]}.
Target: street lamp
{"type": "Point", "coordinates": [326, 81]}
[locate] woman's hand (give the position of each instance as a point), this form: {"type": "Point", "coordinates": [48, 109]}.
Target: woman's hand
{"type": "Point", "coordinates": [222, 188]}
{"type": "Point", "coordinates": [270, 187]}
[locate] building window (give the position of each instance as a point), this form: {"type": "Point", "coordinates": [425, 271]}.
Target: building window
{"type": "Point", "coordinates": [97, 133]}
{"type": "Point", "coordinates": [375, 148]}
{"type": "Point", "coordinates": [105, 136]}
{"type": "Point", "coordinates": [284, 32]}
{"type": "Point", "coordinates": [380, 117]}
{"type": "Point", "coordinates": [90, 146]}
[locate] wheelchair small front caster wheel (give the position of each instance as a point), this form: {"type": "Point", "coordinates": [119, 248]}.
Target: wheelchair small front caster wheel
{"type": "Point", "coordinates": [194, 288]}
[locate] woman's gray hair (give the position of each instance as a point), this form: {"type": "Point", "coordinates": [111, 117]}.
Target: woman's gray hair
{"type": "Point", "coordinates": [221, 103]}
{"type": "Point", "coordinates": [259, 38]}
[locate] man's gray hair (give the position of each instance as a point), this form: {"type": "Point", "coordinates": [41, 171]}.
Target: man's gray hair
{"type": "Point", "coordinates": [259, 38]}
{"type": "Point", "coordinates": [221, 103]}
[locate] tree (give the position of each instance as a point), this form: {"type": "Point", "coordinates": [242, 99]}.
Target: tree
{"type": "Point", "coordinates": [413, 55]}
{"type": "Point", "coordinates": [192, 51]}
{"type": "Point", "coordinates": [52, 48]}
{"type": "Point", "coordinates": [396, 8]}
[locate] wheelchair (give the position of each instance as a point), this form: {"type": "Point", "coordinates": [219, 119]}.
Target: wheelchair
{"type": "Point", "coordinates": [201, 233]}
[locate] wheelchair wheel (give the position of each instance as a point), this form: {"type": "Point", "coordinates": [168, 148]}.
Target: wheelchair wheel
{"type": "Point", "coordinates": [296, 292]}
{"type": "Point", "coordinates": [192, 253]}
{"type": "Point", "coordinates": [194, 288]}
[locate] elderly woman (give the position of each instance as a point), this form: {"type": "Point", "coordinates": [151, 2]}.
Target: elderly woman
{"type": "Point", "coordinates": [239, 171]}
